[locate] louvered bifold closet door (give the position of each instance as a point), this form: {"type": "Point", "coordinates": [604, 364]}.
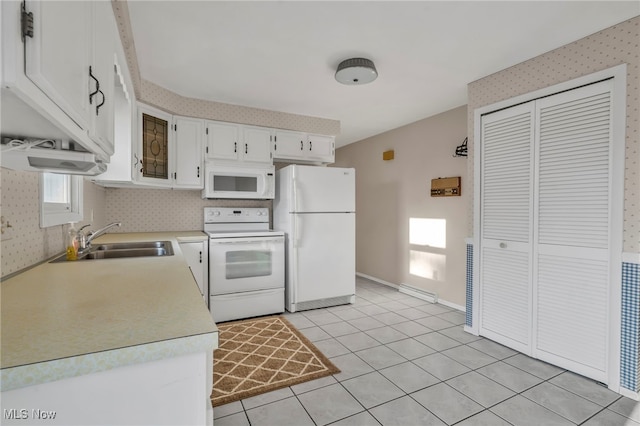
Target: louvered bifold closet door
{"type": "Point", "coordinates": [506, 225]}
{"type": "Point", "coordinates": [571, 243]}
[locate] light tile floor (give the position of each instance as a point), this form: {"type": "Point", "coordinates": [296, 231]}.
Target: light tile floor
{"type": "Point", "coordinates": [407, 362]}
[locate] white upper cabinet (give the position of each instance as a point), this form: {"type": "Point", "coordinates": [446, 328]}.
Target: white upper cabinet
{"type": "Point", "coordinates": [169, 149]}
{"type": "Point", "coordinates": [189, 137]}
{"type": "Point", "coordinates": [223, 140]}
{"type": "Point", "coordinates": [155, 141]}
{"type": "Point", "coordinates": [299, 147]}
{"type": "Point", "coordinates": [102, 104]}
{"type": "Point", "coordinates": [70, 58]}
{"type": "Point", "coordinates": [58, 56]}
{"type": "Point", "coordinates": [288, 145]}
{"type": "Point", "coordinates": [238, 143]}
{"type": "Point", "coordinates": [321, 148]}
{"type": "Point", "coordinates": [121, 169]}
{"type": "Point", "coordinates": [256, 144]}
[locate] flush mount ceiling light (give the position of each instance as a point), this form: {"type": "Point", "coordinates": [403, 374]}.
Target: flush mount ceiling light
{"type": "Point", "coordinates": [356, 71]}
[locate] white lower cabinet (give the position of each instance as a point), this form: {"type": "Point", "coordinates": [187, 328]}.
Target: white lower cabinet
{"type": "Point", "coordinates": [197, 256]}
{"type": "Point", "coordinates": [174, 390]}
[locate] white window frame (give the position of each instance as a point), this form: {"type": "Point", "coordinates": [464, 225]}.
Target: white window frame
{"type": "Point", "coordinates": [52, 214]}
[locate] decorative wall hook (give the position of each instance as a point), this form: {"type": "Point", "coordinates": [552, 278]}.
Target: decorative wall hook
{"type": "Point", "coordinates": [461, 150]}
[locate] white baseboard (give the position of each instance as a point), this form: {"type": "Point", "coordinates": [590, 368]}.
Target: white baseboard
{"type": "Point", "coordinates": [420, 294]}
{"type": "Point", "coordinates": [413, 291]}
{"type": "Point", "coordinates": [452, 305]}
{"type": "Point", "coordinates": [429, 297]}
{"type": "Point", "coordinates": [378, 280]}
{"type": "Point", "coordinates": [630, 394]}
{"type": "Point", "coordinates": [471, 330]}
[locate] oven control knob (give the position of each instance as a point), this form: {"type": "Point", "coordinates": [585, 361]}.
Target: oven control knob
{"type": "Point", "coordinates": [259, 213]}
{"type": "Point", "coordinates": [216, 213]}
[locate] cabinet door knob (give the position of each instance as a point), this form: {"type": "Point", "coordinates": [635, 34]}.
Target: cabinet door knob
{"type": "Point", "coordinates": [503, 245]}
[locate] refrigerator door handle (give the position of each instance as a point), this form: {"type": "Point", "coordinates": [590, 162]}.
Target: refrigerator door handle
{"type": "Point", "coordinates": [297, 219]}
{"type": "Point", "coordinates": [292, 287]}
{"type": "Point", "coordinates": [296, 209]}
{"type": "Point", "coordinates": [294, 182]}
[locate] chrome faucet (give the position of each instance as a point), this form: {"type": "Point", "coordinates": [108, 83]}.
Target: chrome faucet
{"type": "Point", "coordinates": [85, 240]}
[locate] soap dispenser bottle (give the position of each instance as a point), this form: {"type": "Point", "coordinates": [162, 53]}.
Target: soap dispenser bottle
{"type": "Point", "coordinates": [72, 243]}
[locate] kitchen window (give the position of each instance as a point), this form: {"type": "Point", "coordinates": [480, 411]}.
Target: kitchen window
{"type": "Point", "coordinates": [60, 199]}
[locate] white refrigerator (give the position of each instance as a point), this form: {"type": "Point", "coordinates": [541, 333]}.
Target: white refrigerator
{"type": "Point", "coordinates": [315, 207]}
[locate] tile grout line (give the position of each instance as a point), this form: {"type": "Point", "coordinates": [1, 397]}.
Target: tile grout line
{"type": "Point", "coordinates": [603, 409]}
{"type": "Point", "coordinates": [381, 296]}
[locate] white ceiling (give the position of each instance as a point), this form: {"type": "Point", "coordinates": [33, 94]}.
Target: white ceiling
{"type": "Point", "coordinates": [282, 55]}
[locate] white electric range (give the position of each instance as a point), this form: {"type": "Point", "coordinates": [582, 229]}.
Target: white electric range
{"type": "Point", "coordinates": [246, 263]}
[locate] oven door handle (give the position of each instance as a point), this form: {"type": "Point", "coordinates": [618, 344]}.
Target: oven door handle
{"type": "Point", "coordinates": [268, 239]}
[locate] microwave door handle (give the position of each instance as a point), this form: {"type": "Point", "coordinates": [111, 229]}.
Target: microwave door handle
{"type": "Point", "coordinates": [265, 185]}
{"type": "Point", "coordinates": [267, 190]}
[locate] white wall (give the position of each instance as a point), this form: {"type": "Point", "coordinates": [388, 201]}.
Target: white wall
{"type": "Point", "coordinates": [25, 243]}
{"type": "Point", "coordinates": [391, 195]}
{"type": "Point", "coordinates": [605, 49]}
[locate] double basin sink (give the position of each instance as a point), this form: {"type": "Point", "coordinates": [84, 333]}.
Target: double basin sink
{"type": "Point", "coordinates": [124, 250]}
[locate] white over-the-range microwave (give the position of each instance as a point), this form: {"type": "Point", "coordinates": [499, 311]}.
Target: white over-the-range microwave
{"type": "Point", "coordinates": [249, 182]}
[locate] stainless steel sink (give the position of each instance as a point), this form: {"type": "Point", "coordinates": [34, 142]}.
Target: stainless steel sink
{"type": "Point", "coordinates": [132, 245]}
{"type": "Point", "coordinates": [114, 254]}
{"type": "Point", "coordinates": [124, 250]}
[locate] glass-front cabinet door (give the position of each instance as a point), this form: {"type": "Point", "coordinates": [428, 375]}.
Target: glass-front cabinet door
{"type": "Point", "coordinates": [153, 162]}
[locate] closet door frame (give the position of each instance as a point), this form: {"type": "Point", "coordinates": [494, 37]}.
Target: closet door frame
{"type": "Point", "coordinates": [618, 128]}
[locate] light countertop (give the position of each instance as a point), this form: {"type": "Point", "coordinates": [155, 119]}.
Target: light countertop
{"type": "Point", "coordinates": [70, 318]}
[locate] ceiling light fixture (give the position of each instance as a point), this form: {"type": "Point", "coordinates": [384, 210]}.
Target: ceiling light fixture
{"type": "Point", "coordinates": [356, 71]}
